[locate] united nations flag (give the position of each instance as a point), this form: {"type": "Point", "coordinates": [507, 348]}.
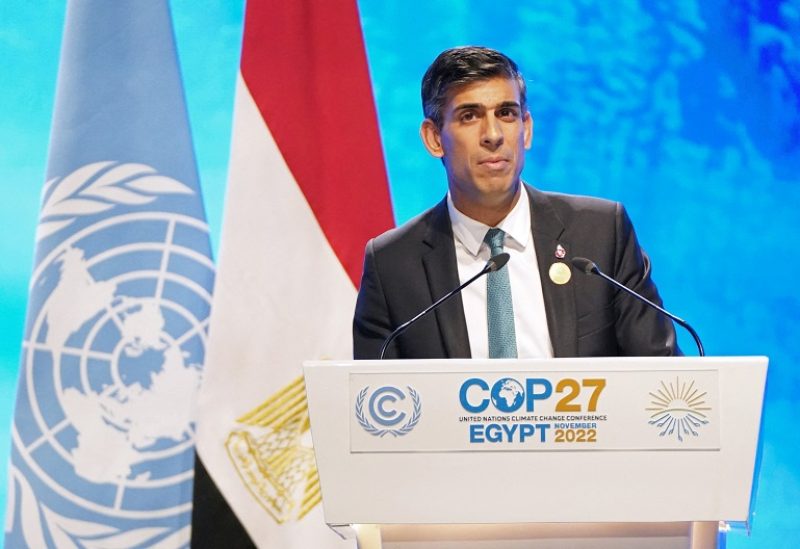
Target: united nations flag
{"type": "Point", "coordinates": [114, 345]}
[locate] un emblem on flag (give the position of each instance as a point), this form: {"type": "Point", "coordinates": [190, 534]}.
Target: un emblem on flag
{"type": "Point", "coordinates": [112, 360]}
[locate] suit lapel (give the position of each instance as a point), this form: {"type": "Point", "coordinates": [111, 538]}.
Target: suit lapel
{"type": "Point", "coordinates": [559, 299]}
{"type": "Point", "coordinates": [441, 270]}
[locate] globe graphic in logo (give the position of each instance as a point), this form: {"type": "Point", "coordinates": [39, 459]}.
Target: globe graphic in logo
{"type": "Point", "coordinates": [112, 362]}
{"type": "Point", "coordinates": [507, 394]}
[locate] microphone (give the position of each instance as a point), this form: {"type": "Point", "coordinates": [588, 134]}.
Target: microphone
{"type": "Point", "coordinates": [494, 264]}
{"type": "Point", "coordinates": [589, 267]}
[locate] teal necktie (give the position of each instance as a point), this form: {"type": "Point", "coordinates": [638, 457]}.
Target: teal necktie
{"type": "Point", "coordinates": [499, 307]}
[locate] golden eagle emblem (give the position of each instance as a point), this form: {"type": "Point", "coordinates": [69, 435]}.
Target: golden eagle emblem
{"type": "Point", "coordinates": [271, 457]}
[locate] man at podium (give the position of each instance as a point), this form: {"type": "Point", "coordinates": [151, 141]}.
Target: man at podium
{"type": "Point", "coordinates": [537, 305]}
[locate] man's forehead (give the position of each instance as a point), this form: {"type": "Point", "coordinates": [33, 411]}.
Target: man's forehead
{"type": "Point", "coordinates": [488, 93]}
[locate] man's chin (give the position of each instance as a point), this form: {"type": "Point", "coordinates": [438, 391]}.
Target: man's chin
{"type": "Point", "coordinates": [500, 187]}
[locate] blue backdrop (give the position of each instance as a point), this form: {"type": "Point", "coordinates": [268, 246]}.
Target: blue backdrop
{"type": "Point", "coordinates": [687, 111]}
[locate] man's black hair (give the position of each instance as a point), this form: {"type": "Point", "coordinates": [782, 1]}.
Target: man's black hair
{"type": "Point", "coordinates": [456, 67]}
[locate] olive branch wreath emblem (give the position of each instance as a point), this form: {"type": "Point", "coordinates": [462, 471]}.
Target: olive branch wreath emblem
{"type": "Point", "coordinates": [375, 431]}
{"type": "Point", "coordinates": [98, 187]}
{"type": "Point", "coordinates": [90, 189]}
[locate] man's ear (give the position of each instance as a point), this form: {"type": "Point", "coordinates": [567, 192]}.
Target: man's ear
{"type": "Point", "coordinates": [528, 124]}
{"type": "Point", "coordinates": [431, 138]}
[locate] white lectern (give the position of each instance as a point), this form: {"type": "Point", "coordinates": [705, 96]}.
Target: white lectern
{"type": "Point", "coordinates": [600, 452]}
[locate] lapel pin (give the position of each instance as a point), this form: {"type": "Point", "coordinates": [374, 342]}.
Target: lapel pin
{"type": "Point", "coordinates": [561, 253]}
{"type": "Point", "coordinates": [560, 273]}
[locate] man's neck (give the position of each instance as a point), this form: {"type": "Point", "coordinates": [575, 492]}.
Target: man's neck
{"type": "Point", "coordinates": [487, 212]}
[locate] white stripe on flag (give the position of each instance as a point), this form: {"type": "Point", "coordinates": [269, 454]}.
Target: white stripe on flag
{"type": "Point", "coordinates": [281, 297]}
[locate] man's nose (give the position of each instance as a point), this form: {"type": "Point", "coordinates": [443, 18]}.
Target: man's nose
{"type": "Point", "coordinates": [492, 135]}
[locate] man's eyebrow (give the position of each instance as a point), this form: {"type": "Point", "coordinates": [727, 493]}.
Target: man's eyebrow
{"type": "Point", "coordinates": [465, 106]}
{"type": "Point", "coordinates": [479, 106]}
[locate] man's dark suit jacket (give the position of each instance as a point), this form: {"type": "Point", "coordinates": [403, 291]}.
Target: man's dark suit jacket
{"type": "Point", "coordinates": [408, 268]}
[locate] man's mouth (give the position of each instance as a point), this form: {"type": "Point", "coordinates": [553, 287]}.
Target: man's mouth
{"type": "Point", "coordinates": [495, 162]}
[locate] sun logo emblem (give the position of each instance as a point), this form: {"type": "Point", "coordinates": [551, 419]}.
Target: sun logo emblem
{"type": "Point", "coordinates": [678, 409]}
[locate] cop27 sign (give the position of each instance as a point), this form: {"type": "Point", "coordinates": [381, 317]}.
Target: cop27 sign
{"type": "Point", "coordinates": [530, 411]}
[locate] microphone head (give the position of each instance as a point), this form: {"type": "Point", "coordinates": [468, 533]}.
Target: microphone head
{"type": "Point", "coordinates": [497, 262]}
{"type": "Point", "coordinates": [586, 265]}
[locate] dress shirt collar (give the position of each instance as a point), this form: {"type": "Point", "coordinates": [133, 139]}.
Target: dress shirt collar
{"type": "Point", "coordinates": [516, 225]}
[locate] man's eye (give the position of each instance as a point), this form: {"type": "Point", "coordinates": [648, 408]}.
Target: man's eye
{"type": "Point", "coordinates": [508, 113]}
{"type": "Point", "coordinates": [467, 116]}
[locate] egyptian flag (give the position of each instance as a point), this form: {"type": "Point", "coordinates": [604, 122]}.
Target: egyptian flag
{"type": "Point", "coordinates": [307, 189]}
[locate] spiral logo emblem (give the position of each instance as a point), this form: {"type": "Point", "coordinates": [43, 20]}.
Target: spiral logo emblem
{"type": "Point", "coordinates": [389, 407]}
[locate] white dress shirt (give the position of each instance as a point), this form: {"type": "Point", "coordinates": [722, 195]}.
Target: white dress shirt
{"type": "Point", "coordinates": [530, 320]}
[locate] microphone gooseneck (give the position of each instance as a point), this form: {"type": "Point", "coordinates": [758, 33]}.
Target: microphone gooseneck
{"type": "Point", "coordinates": [494, 264]}
{"type": "Point", "coordinates": [589, 267]}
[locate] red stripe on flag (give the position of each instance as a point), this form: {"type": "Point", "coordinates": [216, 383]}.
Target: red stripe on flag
{"type": "Point", "coordinates": [305, 66]}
